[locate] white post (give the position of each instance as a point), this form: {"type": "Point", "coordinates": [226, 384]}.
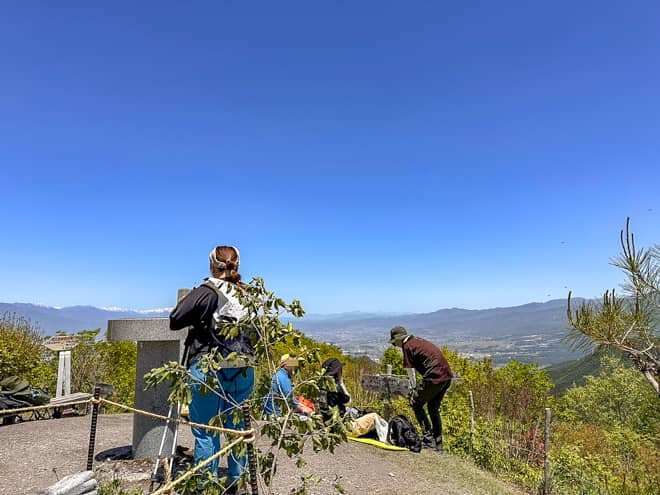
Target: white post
{"type": "Point", "coordinates": [387, 409]}
{"type": "Point", "coordinates": [63, 374]}
{"type": "Point", "coordinates": [62, 344]}
{"type": "Point", "coordinates": [67, 372]}
{"type": "Point", "coordinates": [60, 375]}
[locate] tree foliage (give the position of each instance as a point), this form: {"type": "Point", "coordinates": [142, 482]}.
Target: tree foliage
{"type": "Point", "coordinates": [618, 396]}
{"type": "Point", "coordinates": [609, 431]}
{"type": "Point", "coordinates": [627, 324]}
{"type": "Point", "coordinates": [392, 356]}
{"type": "Point", "coordinates": [102, 361]}
{"type": "Point", "coordinates": [21, 350]}
{"type": "Point", "coordinates": [23, 354]}
{"type": "Point", "coordinates": [118, 360]}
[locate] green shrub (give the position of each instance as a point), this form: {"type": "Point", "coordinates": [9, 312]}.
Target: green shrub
{"type": "Point", "coordinates": [22, 352]}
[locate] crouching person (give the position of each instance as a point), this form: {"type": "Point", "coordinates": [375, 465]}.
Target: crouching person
{"type": "Point", "coordinates": [361, 424]}
{"type": "Point", "coordinates": [281, 388]}
{"type": "Point", "coordinates": [203, 309]}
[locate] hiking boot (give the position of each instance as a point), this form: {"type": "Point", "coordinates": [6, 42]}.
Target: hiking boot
{"type": "Point", "coordinates": [438, 445]}
{"type": "Point", "coordinates": [428, 442]}
{"type": "Point", "coordinates": [234, 490]}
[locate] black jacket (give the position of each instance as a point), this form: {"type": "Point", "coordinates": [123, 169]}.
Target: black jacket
{"type": "Point", "coordinates": [196, 310]}
{"type": "Point", "coordinates": [337, 399]}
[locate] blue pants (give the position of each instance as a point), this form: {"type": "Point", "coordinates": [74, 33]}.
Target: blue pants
{"type": "Point", "coordinates": [235, 386]}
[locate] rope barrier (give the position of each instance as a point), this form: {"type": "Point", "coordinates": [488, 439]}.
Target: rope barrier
{"type": "Point", "coordinates": [12, 412]}
{"type": "Point", "coordinates": [46, 406]}
{"type": "Point", "coordinates": [242, 433]}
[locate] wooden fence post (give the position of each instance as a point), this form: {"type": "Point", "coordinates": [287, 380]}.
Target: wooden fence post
{"type": "Point", "coordinates": [546, 453]}
{"type": "Point", "coordinates": [471, 421]}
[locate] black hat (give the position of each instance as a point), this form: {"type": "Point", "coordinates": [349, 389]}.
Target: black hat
{"type": "Point", "coordinates": [332, 366]}
{"type": "Point", "coordinates": [397, 333]}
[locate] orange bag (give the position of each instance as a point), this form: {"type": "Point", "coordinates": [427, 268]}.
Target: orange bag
{"type": "Point", "coordinates": [306, 402]}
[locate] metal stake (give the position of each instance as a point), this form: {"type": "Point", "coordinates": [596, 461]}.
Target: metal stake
{"type": "Point", "coordinates": [252, 460]}
{"type": "Point", "coordinates": [92, 429]}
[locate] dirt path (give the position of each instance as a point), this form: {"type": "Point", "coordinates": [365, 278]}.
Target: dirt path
{"type": "Point", "coordinates": [34, 455]}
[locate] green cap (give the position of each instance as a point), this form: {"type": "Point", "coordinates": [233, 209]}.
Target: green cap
{"type": "Point", "coordinates": [397, 333]}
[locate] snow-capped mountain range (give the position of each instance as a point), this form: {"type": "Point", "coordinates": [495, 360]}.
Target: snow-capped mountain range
{"type": "Point", "coordinates": [75, 318]}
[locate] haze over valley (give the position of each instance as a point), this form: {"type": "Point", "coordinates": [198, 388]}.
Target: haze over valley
{"type": "Point", "coordinates": [532, 332]}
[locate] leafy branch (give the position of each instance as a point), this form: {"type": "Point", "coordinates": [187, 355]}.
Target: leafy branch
{"type": "Point", "coordinates": [627, 324]}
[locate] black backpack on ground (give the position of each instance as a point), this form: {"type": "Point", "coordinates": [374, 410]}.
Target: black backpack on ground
{"type": "Point", "coordinates": [402, 433]}
{"type": "Point", "coordinates": [19, 389]}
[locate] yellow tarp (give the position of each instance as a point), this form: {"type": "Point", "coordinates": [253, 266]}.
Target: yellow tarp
{"type": "Point", "coordinates": [371, 441]}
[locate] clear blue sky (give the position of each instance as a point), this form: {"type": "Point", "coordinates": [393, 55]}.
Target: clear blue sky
{"type": "Point", "coordinates": [393, 156]}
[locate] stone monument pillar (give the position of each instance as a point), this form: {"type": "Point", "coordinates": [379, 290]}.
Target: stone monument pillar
{"type": "Point", "coordinates": [156, 345]}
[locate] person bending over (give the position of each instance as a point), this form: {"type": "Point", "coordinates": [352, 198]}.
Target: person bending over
{"type": "Point", "coordinates": [420, 355]}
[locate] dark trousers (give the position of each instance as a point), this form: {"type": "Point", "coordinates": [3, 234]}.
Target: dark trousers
{"type": "Point", "coordinates": [430, 394]}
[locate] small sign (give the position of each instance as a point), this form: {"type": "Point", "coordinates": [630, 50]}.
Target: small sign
{"type": "Point", "coordinates": [391, 385]}
{"type": "Point", "coordinates": [61, 343]}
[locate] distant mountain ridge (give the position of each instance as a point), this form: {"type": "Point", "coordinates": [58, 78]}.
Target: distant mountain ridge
{"type": "Point", "coordinates": [514, 319]}
{"type": "Point", "coordinates": [75, 318]}
{"type": "Point", "coordinates": [532, 332]}
{"type": "Point", "coordinates": [529, 332]}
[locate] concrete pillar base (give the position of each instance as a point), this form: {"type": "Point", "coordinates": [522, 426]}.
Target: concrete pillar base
{"type": "Point", "coordinates": [148, 432]}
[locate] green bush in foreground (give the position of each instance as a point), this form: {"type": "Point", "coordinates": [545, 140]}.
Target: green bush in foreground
{"type": "Point", "coordinates": [22, 352]}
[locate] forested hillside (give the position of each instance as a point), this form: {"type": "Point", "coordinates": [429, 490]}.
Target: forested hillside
{"type": "Point", "coordinates": [573, 373]}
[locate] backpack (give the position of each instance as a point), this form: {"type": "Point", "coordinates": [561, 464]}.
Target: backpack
{"type": "Point", "coordinates": [7, 402]}
{"type": "Point", "coordinates": [12, 384]}
{"type": "Point", "coordinates": [402, 433]}
{"type": "Point", "coordinates": [21, 390]}
{"type": "Point", "coordinates": [243, 343]}
{"type": "Point", "coordinates": [33, 395]}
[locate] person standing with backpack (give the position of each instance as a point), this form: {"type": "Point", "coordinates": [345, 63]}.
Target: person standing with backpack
{"type": "Point", "coordinates": [205, 308]}
{"type": "Point", "coordinates": [420, 355]}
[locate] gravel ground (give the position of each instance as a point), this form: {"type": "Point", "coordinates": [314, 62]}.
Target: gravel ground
{"type": "Point", "coordinates": [33, 455]}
